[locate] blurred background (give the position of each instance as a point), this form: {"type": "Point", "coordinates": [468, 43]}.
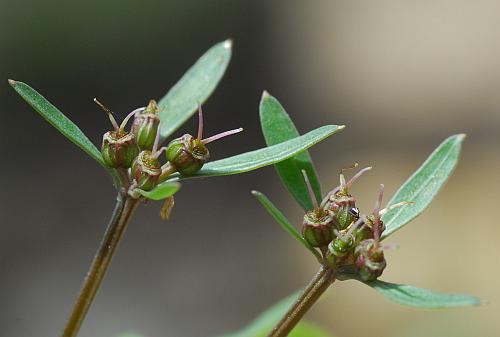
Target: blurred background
{"type": "Point", "coordinates": [402, 75]}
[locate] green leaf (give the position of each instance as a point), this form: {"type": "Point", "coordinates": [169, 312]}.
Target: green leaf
{"type": "Point", "coordinates": [162, 191]}
{"type": "Point", "coordinates": [423, 185]}
{"type": "Point", "coordinates": [266, 156]}
{"type": "Point", "coordinates": [422, 298]}
{"type": "Point", "coordinates": [265, 322]}
{"type": "Point", "coordinates": [283, 221]}
{"type": "Point", "coordinates": [193, 88]}
{"type": "Point", "coordinates": [57, 119]}
{"type": "Point", "coordinates": [277, 127]}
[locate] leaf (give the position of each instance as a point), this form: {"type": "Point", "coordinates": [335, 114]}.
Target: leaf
{"type": "Point", "coordinates": [265, 322]}
{"type": "Point", "coordinates": [193, 88]}
{"type": "Point", "coordinates": [283, 221]}
{"type": "Point", "coordinates": [162, 191]}
{"type": "Point", "coordinates": [266, 156]}
{"type": "Point", "coordinates": [423, 185]}
{"type": "Point", "coordinates": [57, 119]}
{"type": "Point", "coordinates": [422, 298]}
{"type": "Point", "coordinates": [277, 127]}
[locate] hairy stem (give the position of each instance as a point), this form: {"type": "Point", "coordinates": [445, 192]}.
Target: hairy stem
{"type": "Point", "coordinates": [124, 209]}
{"type": "Point", "coordinates": [321, 281]}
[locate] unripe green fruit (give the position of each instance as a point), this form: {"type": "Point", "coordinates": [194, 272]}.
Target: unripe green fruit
{"type": "Point", "coordinates": [145, 126]}
{"type": "Point", "coordinates": [187, 154]}
{"type": "Point", "coordinates": [339, 248]}
{"type": "Point", "coordinates": [370, 260]}
{"type": "Point", "coordinates": [317, 228]}
{"type": "Point", "coordinates": [344, 208]}
{"type": "Point", "coordinates": [366, 231]}
{"type": "Point", "coordinates": [146, 170]}
{"type": "Point", "coordinates": [119, 149]}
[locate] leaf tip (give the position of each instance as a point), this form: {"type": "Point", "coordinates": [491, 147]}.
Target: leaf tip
{"type": "Point", "coordinates": [12, 82]}
{"type": "Point", "coordinates": [255, 193]}
{"type": "Point", "coordinates": [341, 127]}
{"type": "Point", "coordinates": [228, 44]}
{"type": "Point", "coordinates": [265, 94]}
{"type": "Point", "coordinates": [461, 136]}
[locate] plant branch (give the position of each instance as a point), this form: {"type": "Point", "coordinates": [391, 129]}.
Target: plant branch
{"type": "Point", "coordinates": [124, 209]}
{"type": "Point", "coordinates": [321, 281]}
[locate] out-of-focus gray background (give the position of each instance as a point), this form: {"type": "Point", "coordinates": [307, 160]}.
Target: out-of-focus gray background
{"type": "Point", "coordinates": [402, 75]}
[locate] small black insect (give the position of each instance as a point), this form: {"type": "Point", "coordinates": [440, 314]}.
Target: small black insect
{"type": "Point", "coordinates": [354, 211]}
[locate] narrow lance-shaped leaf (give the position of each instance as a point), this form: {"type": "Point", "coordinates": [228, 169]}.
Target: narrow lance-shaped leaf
{"type": "Point", "coordinates": [277, 127]}
{"type": "Point", "coordinates": [62, 123]}
{"type": "Point", "coordinates": [193, 88]}
{"type": "Point", "coordinates": [421, 298]}
{"type": "Point", "coordinates": [264, 323]}
{"type": "Point", "coordinates": [283, 222]}
{"type": "Point", "coordinates": [266, 156]}
{"type": "Point", "coordinates": [162, 191]}
{"type": "Point", "coordinates": [423, 185]}
{"type": "Point", "coordinates": [57, 119]}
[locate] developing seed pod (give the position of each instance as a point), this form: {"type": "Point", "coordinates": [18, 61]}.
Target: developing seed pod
{"type": "Point", "coordinates": [146, 170]}
{"type": "Point", "coordinates": [366, 230]}
{"type": "Point", "coordinates": [317, 227]}
{"type": "Point", "coordinates": [342, 203]}
{"type": "Point", "coordinates": [119, 148]}
{"type": "Point", "coordinates": [339, 248]}
{"type": "Point", "coordinates": [188, 154]}
{"type": "Point", "coordinates": [145, 126]}
{"type": "Point", "coordinates": [370, 260]}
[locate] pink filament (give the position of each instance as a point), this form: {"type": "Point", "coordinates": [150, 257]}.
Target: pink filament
{"type": "Point", "coordinates": [221, 135]}
{"type": "Point", "coordinates": [310, 190]}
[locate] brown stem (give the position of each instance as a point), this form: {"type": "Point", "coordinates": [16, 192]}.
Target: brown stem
{"type": "Point", "coordinates": [321, 281]}
{"type": "Point", "coordinates": [124, 209]}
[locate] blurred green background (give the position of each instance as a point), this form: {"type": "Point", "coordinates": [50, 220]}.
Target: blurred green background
{"type": "Point", "coordinates": [402, 75]}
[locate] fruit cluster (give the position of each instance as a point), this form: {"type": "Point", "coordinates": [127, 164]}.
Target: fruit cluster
{"type": "Point", "coordinates": [136, 152]}
{"type": "Point", "coordinates": [347, 239]}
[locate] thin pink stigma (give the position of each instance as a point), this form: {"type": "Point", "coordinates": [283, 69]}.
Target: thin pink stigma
{"type": "Point", "coordinates": [157, 141]}
{"type": "Point", "coordinates": [200, 122]}
{"type": "Point", "coordinates": [310, 190]}
{"type": "Point", "coordinates": [221, 135]}
{"type": "Point", "coordinates": [376, 214]}
{"type": "Point", "coordinates": [126, 119]}
{"type": "Point", "coordinates": [328, 195]}
{"type": "Point", "coordinates": [356, 176]}
{"type": "Point", "coordinates": [356, 225]}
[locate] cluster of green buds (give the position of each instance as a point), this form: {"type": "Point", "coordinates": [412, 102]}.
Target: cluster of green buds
{"type": "Point", "coordinates": [137, 152]}
{"type": "Point", "coordinates": [347, 239]}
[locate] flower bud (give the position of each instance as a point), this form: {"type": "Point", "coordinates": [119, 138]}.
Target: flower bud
{"type": "Point", "coordinates": [119, 149]}
{"type": "Point", "coordinates": [339, 248]}
{"type": "Point", "coordinates": [345, 210]}
{"type": "Point", "coordinates": [366, 231]}
{"type": "Point", "coordinates": [146, 170]}
{"type": "Point", "coordinates": [145, 126]}
{"type": "Point", "coordinates": [317, 228]}
{"type": "Point", "coordinates": [370, 260]}
{"type": "Point", "coordinates": [187, 154]}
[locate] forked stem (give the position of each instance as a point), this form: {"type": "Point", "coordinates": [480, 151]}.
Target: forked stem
{"type": "Point", "coordinates": [318, 285]}
{"type": "Point", "coordinates": [124, 209]}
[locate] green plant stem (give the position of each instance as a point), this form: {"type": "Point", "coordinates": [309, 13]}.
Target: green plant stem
{"type": "Point", "coordinates": [124, 209]}
{"type": "Point", "coordinates": [321, 281]}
